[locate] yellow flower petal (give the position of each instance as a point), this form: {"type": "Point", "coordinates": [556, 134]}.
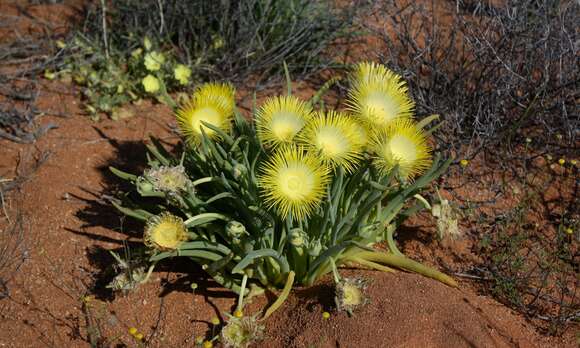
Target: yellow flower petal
{"type": "Point", "coordinates": [153, 61]}
{"type": "Point", "coordinates": [280, 119]}
{"type": "Point", "coordinates": [165, 232]}
{"type": "Point", "coordinates": [182, 74]}
{"type": "Point", "coordinates": [150, 84]}
{"type": "Point", "coordinates": [211, 103]}
{"type": "Point", "coordinates": [293, 183]}
{"type": "Point", "coordinates": [402, 144]}
{"type": "Point", "coordinates": [378, 95]}
{"type": "Point", "coordinates": [333, 137]}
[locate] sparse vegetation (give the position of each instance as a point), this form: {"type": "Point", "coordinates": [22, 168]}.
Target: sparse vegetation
{"type": "Point", "coordinates": [492, 71]}
{"type": "Point", "coordinates": [196, 41]}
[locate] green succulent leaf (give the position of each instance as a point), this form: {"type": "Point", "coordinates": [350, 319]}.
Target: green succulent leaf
{"type": "Point", "coordinates": [123, 175]}
{"type": "Point", "coordinates": [204, 218]}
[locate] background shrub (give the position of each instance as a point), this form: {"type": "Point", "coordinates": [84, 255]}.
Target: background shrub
{"type": "Point", "coordinates": [490, 69]}
{"type": "Point", "coordinates": [228, 39]}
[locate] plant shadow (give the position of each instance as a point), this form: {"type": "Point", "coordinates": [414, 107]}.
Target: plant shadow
{"type": "Point", "coordinates": [102, 222]}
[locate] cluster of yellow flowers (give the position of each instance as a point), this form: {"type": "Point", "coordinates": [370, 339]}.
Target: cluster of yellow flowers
{"type": "Point", "coordinates": [153, 62]}
{"type": "Point", "coordinates": [307, 146]}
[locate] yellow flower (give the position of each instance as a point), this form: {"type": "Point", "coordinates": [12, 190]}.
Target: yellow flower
{"type": "Point", "coordinates": [212, 104]}
{"type": "Point", "coordinates": [569, 230]}
{"type": "Point", "coordinates": [561, 161]}
{"type": "Point", "coordinates": [207, 344]}
{"type": "Point", "coordinates": [280, 119]}
{"type": "Point", "coordinates": [132, 331]}
{"type": "Point", "coordinates": [222, 93]}
{"type": "Point", "coordinates": [350, 294]}
{"type": "Point", "coordinates": [215, 321]}
{"type": "Point", "coordinates": [293, 182]}
{"type": "Point", "coordinates": [402, 144]}
{"type": "Point", "coordinates": [238, 313]}
{"type": "Point", "coordinates": [464, 163]}
{"type": "Point", "coordinates": [139, 336]}
{"type": "Point", "coordinates": [154, 60]}
{"type": "Point", "coordinates": [241, 332]}
{"type": "Point", "coordinates": [182, 74]}
{"type": "Point", "coordinates": [165, 232]}
{"type": "Point", "coordinates": [325, 315]}
{"type": "Point", "coordinates": [332, 136]}
{"type": "Point", "coordinates": [378, 95]}
{"type": "Point", "coordinates": [366, 71]}
{"type": "Point", "coordinates": [150, 84]}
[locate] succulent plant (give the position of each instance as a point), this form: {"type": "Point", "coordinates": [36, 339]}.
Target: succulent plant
{"type": "Point", "coordinates": [291, 197]}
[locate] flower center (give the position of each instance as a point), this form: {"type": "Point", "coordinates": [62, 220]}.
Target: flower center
{"type": "Point", "coordinates": [351, 296]}
{"type": "Point", "coordinates": [402, 148]}
{"type": "Point", "coordinates": [286, 125]}
{"type": "Point", "coordinates": [296, 182]}
{"type": "Point", "coordinates": [381, 107]}
{"type": "Point", "coordinates": [166, 234]}
{"type": "Point", "coordinates": [208, 115]}
{"type": "Point", "coordinates": [331, 142]}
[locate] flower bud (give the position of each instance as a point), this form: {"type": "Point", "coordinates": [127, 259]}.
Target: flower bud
{"type": "Point", "coordinates": [239, 170]}
{"type": "Point", "coordinates": [297, 238]}
{"type": "Point", "coordinates": [235, 229]}
{"type": "Point", "coordinates": [314, 248]}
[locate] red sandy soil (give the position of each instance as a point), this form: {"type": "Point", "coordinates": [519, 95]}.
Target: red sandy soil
{"type": "Point", "coordinates": [69, 227]}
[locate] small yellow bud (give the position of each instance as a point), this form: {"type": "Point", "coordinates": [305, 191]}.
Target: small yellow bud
{"type": "Point", "coordinates": [325, 315]}
{"type": "Point", "coordinates": [199, 340]}
{"type": "Point", "coordinates": [215, 321]}
{"type": "Point", "coordinates": [561, 161]}
{"type": "Point", "coordinates": [60, 44]}
{"type": "Point", "coordinates": [147, 43]}
{"type": "Point", "coordinates": [573, 162]}
{"type": "Point", "coordinates": [207, 344]}
{"type": "Point", "coordinates": [569, 230]}
{"type": "Point", "coordinates": [133, 331]}
{"type": "Point", "coordinates": [238, 314]}
{"type": "Point", "coordinates": [49, 75]}
{"type": "Point", "coordinates": [150, 84]}
{"type": "Point", "coordinates": [139, 336]}
{"type": "Point", "coordinates": [182, 74]}
{"type": "Point", "coordinates": [464, 163]}
{"type": "Point", "coordinates": [528, 140]}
